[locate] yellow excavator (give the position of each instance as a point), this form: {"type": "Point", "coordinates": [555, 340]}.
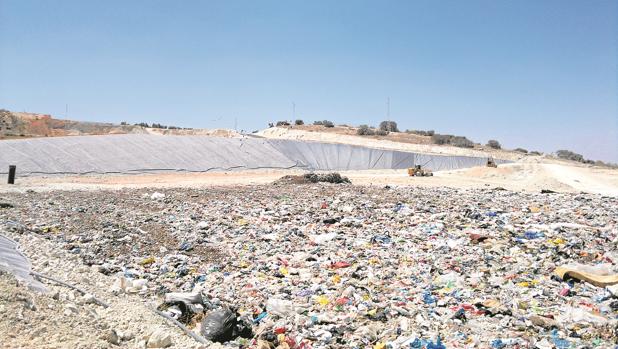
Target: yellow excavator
{"type": "Point", "coordinates": [417, 171]}
{"type": "Point", "coordinates": [491, 163]}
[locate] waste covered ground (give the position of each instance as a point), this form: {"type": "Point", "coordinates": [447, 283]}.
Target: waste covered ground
{"type": "Point", "coordinates": [314, 265]}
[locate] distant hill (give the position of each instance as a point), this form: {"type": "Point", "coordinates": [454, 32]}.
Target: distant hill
{"type": "Point", "coordinates": [25, 125]}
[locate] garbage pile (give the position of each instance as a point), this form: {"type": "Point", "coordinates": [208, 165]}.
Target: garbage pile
{"type": "Point", "coordinates": [308, 178]}
{"type": "Point", "coordinates": [329, 266]}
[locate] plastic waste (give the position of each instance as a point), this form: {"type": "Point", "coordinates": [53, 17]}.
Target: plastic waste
{"type": "Point", "coordinates": [560, 343]}
{"type": "Point", "coordinates": [157, 196]}
{"type": "Point", "coordinates": [600, 275]}
{"type": "Point", "coordinates": [325, 266]}
{"type": "Point", "coordinates": [280, 307]}
{"type": "Point", "coordinates": [218, 325]}
{"type": "Point", "coordinates": [323, 238]}
{"type": "Point", "coordinates": [575, 315]}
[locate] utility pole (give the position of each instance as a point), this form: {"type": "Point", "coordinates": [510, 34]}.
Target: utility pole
{"type": "Point", "coordinates": [66, 111]}
{"type": "Point", "coordinates": [293, 111]}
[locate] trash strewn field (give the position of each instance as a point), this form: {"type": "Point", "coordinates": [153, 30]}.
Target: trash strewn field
{"type": "Point", "coordinates": [315, 266]}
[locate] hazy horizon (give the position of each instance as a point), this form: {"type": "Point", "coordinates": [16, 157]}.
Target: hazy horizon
{"type": "Point", "coordinates": [537, 75]}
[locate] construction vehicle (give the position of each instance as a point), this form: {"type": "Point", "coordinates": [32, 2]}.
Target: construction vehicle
{"type": "Point", "coordinates": [417, 171]}
{"type": "Point", "coordinates": [491, 163]}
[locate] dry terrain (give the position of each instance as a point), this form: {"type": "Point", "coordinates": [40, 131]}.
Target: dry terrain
{"type": "Point", "coordinates": [525, 175]}
{"type": "Point", "coordinates": [16, 125]}
{"type": "Point", "coordinates": [392, 141]}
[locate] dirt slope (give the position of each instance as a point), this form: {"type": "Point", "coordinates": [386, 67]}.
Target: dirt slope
{"type": "Point", "coordinates": [393, 141]}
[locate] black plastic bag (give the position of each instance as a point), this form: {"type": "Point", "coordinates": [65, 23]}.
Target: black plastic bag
{"type": "Point", "coordinates": [219, 325]}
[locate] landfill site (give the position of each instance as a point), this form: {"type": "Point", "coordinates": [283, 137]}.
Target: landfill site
{"type": "Point", "coordinates": [295, 239]}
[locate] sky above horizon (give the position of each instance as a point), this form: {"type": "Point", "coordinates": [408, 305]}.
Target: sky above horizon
{"type": "Point", "coordinates": [541, 75]}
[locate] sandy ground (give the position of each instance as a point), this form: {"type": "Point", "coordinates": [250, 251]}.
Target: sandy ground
{"type": "Point", "coordinates": [159, 180]}
{"type": "Point", "coordinates": [528, 176]}
{"type": "Point", "coordinates": [531, 177]}
{"type": "Point", "coordinates": [295, 134]}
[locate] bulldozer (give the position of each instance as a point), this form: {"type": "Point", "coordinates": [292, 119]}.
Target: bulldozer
{"type": "Point", "coordinates": [417, 171]}
{"type": "Point", "coordinates": [491, 163]}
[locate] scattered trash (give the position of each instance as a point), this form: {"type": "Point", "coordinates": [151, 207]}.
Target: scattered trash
{"type": "Point", "coordinates": [157, 196]}
{"type": "Point", "coordinates": [599, 276]}
{"type": "Point", "coordinates": [531, 235]}
{"type": "Point", "coordinates": [338, 266]}
{"type": "Point", "coordinates": [542, 321]}
{"type": "Point", "coordinates": [280, 307]}
{"type": "Point", "coordinates": [218, 326]}
{"type": "Point", "coordinates": [222, 325]}
{"type": "Point", "coordinates": [309, 178]}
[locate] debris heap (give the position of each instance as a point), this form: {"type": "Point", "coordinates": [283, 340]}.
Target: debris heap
{"type": "Point", "coordinates": [332, 266]}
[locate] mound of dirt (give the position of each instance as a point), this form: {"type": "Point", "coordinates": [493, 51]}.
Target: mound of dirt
{"type": "Point", "coordinates": [399, 141]}
{"type": "Point", "coordinates": [310, 178]}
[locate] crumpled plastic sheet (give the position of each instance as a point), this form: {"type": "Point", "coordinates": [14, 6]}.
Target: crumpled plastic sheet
{"type": "Point", "coordinates": [14, 262]}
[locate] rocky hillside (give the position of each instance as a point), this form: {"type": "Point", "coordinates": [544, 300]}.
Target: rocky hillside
{"type": "Point", "coordinates": [22, 125]}
{"type": "Point", "coordinates": [17, 125]}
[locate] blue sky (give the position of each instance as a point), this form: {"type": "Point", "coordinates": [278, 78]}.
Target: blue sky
{"type": "Point", "coordinates": [534, 74]}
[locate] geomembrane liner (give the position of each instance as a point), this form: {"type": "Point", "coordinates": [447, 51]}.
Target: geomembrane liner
{"type": "Point", "coordinates": [136, 153]}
